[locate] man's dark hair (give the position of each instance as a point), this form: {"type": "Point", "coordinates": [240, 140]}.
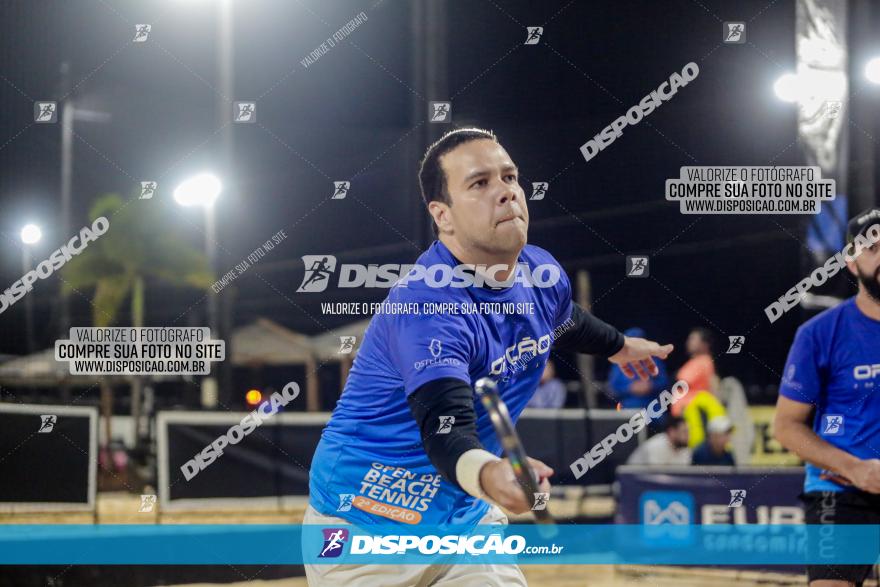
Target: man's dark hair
{"type": "Point", "coordinates": [672, 422]}
{"type": "Point", "coordinates": [432, 178]}
{"type": "Point", "coordinates": [706, 334]}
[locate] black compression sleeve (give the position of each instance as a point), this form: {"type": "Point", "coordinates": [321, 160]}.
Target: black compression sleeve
{"type": "Point", "coordinates": [589, 335]}
{"type": "Point", "coordinates": [438, 399]}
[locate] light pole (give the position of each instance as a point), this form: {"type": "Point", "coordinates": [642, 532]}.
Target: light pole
{"type": "Point", "coordinates": [203, 190]}
{"type": "Point", "coordinates": [68, 116]}
{"type": "Point", "coordinates": [30, 235]}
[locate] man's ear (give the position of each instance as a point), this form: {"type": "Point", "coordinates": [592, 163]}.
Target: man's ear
{"type": "Point", "coordinates": [439, 211]}
{"type": "Point", "coordinates": [851, 265]}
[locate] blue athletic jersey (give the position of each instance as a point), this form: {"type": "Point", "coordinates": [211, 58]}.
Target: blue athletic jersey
{"type": "Point", "coordinates": [834, 364]}
{"type": "Point", "coordinates": [370, 466]}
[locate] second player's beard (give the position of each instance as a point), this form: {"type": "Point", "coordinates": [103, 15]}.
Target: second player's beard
{"type": "Point", "coordinates": [871, 284]}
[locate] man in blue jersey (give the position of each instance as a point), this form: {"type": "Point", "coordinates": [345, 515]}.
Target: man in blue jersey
{"type": "Point", "coordinates": [828, 410]}
{"type": "Point", "coordinates": [406, 443]}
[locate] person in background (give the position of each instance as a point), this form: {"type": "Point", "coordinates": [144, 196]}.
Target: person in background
{"type": "Point", "coordinates": [733, 396]}
{"type": "Point", "coordinates": [713, 451]}
{"type": "Point", "coordinates": [670, 447]}
{"type": "Point", "coordinates": [636, 394]}
{"type": "Point", "coordinates": [551, 390]}
{"type": "Point", "coordinates": [699, 370]}
{"type": "Point", "coordinates": [701, 409]}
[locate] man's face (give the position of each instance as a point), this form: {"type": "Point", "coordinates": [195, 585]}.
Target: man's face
{"type": "Point", "coordinates": [488, 213]}
{"type": "Point", "coordinates": [718, 441]}
{"type": "Point", "coordinates": [867, 268]}
{"type": "Point", "coordinates": [678, 435]}
{"type": "Point", "coordinates": [695, 343]}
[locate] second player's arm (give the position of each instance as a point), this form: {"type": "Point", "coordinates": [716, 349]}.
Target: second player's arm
{"type": "Point", "coordinates": [792, 429]}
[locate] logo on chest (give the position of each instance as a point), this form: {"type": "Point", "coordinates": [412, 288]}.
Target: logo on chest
{"type": "Point", "coordinates": [862, 372]}
{"type": "Point", "coordinates": [517, 355]}
{"type": "Point", "coordinates": [866, 376]}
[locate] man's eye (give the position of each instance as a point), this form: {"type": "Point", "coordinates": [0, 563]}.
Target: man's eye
{"type": "Point", "coordinates": [480, 182]}
{"type": "Point", "coordinates": [513, 177]}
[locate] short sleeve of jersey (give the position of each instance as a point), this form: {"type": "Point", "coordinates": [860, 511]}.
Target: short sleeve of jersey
{"type": "Point", "coordinates": [561, 292]}
{"type": "Point", "coordinates": [801, 379]}
{"type": "Point", "coordinates": [428, 347]}
{"type": "Point", "coordinates": [560, 295]}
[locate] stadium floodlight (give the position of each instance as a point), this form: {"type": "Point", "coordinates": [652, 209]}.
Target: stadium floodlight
{"type": "Point", "coordinates": [201, 190]}
{"type": "Point", "coordinates": [872, 70]}
{"type": "Point", "coordinates": [788, 88]}
{"type": "Point", "coordinates": [811, 87]}
{"type": "Point", "coordinates": [31, 234]}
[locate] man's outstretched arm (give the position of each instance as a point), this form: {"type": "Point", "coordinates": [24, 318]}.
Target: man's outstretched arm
{"type": "Point", "coordinates": [589, 335]}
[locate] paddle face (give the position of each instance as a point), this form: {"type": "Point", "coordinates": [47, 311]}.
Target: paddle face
{"type": "Point", "coordinates": [487, 390]}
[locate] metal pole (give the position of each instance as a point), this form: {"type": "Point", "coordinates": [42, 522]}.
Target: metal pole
{"type": "Point", "coordinates": [67, 114]}
{"type": "Point", "coordinates": [28, 300]}
{"type": "Point", "coordinates": [210, 393]}
{"type": "Point", "coordinates": [225, 76]}
{"type": "Point", "coordinates": [586, 363]}
{"type": "Point", "coordinates": [211, 254]}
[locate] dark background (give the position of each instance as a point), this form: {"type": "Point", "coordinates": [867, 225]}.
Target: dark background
{"type": "Point", "coordinates": [359, 113]}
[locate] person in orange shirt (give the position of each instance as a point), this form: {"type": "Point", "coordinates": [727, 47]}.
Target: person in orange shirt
{"type": "Point", "coordinates": [699, 370]}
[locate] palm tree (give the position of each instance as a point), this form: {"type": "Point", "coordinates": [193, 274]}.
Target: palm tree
{"type": "Point", "coordinates": [139, 246]}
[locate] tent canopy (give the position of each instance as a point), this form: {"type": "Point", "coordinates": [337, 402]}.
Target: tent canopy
{"type": "Point", "coordinates": [42, 370]}
{"type": "Point", "coordinates": [267, 343]}
{"type": "Point", "coordinates": [263, 342]}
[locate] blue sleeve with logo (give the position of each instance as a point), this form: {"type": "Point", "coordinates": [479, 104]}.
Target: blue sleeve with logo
{"type": "Point", "coordinates": [802, 379]}
{"type": "Point", "coordinates": [428, 347]}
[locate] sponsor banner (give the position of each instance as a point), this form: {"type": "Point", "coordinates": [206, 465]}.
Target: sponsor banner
{"type": "Point", "coordinates": [766, 450]}
{"type": "Point", "coordinates": [142, 544]}
{"type": "Point", "coordinates": [824, 117]}
{"type": "Point", "coordinates": [678, 496]}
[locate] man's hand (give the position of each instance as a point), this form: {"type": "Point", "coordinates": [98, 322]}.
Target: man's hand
{"type": "Point", "coordinates": [636, 357]}
{"type": "Point", "coordinates": [500, 484]}
{"type": "Point", "coordinates": [865, 474]}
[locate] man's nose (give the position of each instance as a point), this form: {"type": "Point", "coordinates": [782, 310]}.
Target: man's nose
{"type": "Point", "coordinates": [508, 193]}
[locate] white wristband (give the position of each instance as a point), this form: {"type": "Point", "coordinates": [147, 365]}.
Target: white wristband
{"type": "Point", "coordinates": [467, 471]}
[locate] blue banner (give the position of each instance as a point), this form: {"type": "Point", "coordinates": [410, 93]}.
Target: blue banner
{"type": "Point", "coordinates": [662, 544]}
{"type": "Point", "coordinates": [709, 495]}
